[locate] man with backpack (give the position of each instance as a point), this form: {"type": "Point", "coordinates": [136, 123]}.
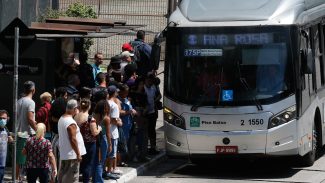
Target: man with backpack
{"type": "Point", "coordinates": [142, 54]}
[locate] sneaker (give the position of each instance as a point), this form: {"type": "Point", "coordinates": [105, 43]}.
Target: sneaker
{"type": "Point", "coordinates": [117, 171]}
{"type": "Point", "coordinates": [111, 176]}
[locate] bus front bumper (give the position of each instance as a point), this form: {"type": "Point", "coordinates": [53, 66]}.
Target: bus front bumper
{"type": "Point", "coordinates": [278, 141]}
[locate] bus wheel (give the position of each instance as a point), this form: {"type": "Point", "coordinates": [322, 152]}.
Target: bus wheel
{"type": "Point", "coordinates": [309, 158]}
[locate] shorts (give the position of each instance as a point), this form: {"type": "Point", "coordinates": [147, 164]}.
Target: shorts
{"type": "Point", "coordinates": [21, 158]}
{"type": "Point", "coordinates": [113, 153]}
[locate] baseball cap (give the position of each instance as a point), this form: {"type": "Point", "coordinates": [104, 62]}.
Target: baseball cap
{"type": "Point", "coordinates": [127, 54]}
{"type": "Point", "coordinates": [112, 89]}
{"type": "Point", "coordinates": [127, 47]}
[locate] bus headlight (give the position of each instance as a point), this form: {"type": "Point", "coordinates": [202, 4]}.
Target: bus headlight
{"type": "Point", "coordinates": [283, 117]}
{"type": "Point", "coordinates": [174, 119]}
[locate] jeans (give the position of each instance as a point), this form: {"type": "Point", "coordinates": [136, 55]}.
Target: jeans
{"type": "Point", "coordinates": [34, 173]}
{"type": "Point", "coordinates": [2, 173]}
{"type": "Point", "coordinates": [152, 120]}
{"type": "Point", "coordinates": [88, 160]}
{"type": "Point", "coordinates": [100, 161]}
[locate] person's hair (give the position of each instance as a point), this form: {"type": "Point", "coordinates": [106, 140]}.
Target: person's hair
{"type": "Point", "coordinates": [60, 92]}
{"type": "Point", "coordinates": [98, 53]}
{"type": "Point", "coordinates": [123, 87]}
{"type": "Point", "coordinates": [141, 34]}
{"type": "Point", "coordinates": [85, 92]}
{"type": "Point", "coordinates": [83, 57]}
{"type": "Point", "coordinates": [4, 112]}
{"type": "Point", "coordinates": [100, 95]}
{"type": "Point", "coordinates": [72, 79]}
{"type": "Point", "coordinates": [40, 130]}
{"type": "Point", "coordinates": [71, 104]}
{"type": "Point", "coordinates": [102, 108]}
{"type": "Point", "coordinates": [117, 75]}
{"type": "Point", "coordinates": [84, 104]}
{"type": "Point", "coordinates": [100, 77]}
{"type": "Point", "coordinates": [46, 96]}
{"type": "Point", "coordinates": [129, 70]}
{"type": "Point", "coordinates": [29, 86]}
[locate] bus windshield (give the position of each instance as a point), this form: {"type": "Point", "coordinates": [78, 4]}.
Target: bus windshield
{"type": "Point", "coordinates": [225, 67]}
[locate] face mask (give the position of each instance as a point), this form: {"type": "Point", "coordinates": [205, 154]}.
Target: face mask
{"type": "Point", "coordinates": [3, 122]}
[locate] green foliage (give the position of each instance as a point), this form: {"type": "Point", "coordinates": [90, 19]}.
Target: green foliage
{"type": "Point", "coordinates": [50, 13]}
{"type": "Point", "coordinates": [80, 10]}
{"type": "Point", "coordinates": [74, 10]}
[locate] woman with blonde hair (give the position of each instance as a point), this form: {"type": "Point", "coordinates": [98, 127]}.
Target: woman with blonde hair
{"type": "Point", "coordinates": [89, 130]}
{"type": "Point", "coordinates": [39, 156]}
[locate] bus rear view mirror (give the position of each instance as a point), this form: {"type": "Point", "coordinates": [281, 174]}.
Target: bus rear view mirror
{"type": "Point", "coordinates": [306, 61]}
{"type": "Point", "coordinates": [156, 50]}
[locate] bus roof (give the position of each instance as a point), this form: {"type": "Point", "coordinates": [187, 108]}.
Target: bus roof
{"type": "Point", "coordinates": [254, 12]}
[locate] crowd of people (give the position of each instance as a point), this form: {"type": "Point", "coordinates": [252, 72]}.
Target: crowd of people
{"type": "Point", "coordinates": [92, 126]}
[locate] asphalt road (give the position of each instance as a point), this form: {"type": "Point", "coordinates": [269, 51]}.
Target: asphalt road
{"type": "Point", "coordinates": [268, 170]}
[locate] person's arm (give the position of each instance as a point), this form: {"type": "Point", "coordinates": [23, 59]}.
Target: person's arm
{"type": "Point", "coordinates": [31, 121]}
{"type": "Point", "coordinates": [72, 131]}
{"type": "Point", "coordinates": [24, 151]}
{"type": "Point", "coordinates": [94, 129]}
{"type": "Point", "coordinates": [53, 164]}
{"type": "Point", "coordinates": [107, 123]}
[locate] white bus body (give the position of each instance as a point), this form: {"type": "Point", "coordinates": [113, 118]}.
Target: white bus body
{"type": "Point", "coordinates": [219, 36]}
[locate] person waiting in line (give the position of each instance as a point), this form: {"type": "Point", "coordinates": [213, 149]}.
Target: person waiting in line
{"type": "Point", "coordinates": [127, 112]}
{"type": "Point", "coordinates": [101, 115]}
{"type": "Point", "coordinates": [5, 137]}
{"type": "Point", "coordinates": [153, 95]}
{"type": "Point", "coordinates": [38, 151]}
{"type": "Point", "coordinates": [42, 114]}
{"type": "Point", "coordinates": [142, 51]}
{"type": "Point", "coordinates": [26, 123]}
{"type": "Point", "coordinates": [57, 110]}
{"type": "Point", "coordinates": [130, 75]}
{"type": "Point", "coordinates": [96, 66]}
{"type": "Point", "coordinates": [71, 144]}
{"type": "Point", "coordinates": [89, 131]}
{"type": "Point", "coordinates": [115, 122]}
{"type": "Point", "coordinates": [72, 87]}
{"type": "Point", "coordinates": [139, 136]}
{"type": "Point", "coordinates": [85, 72]}
{"type": "Point", "coordinates": [126, 59]}
{"type": "Point", "coordinates": [114, 67]}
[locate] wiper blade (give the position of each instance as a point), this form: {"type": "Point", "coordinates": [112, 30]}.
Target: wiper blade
{"type": "Point", "coordinates": [246, 86]}
{"type": "Point", "coordinates": [199, 104]}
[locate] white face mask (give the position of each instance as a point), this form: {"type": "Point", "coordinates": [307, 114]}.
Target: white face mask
{"type": "Point", "coordinates": [3, 122]}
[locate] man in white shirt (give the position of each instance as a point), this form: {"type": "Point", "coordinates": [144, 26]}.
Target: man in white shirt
{"type": "Point", "coordinates": [115, 122]}
{"type": "Point", "coordinates": [71, 145]}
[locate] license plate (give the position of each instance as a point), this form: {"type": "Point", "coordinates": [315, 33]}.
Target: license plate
{"type": "Point", "coordinates": [226, 149]}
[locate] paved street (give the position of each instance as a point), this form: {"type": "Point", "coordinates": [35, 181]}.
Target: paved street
{"type": "Point", "coordinates": [260, 170]}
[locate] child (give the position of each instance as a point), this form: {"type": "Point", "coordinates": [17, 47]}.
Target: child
{"type": "Point", "coordinates": [4, 139]}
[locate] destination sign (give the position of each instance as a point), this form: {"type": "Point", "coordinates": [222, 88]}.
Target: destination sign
{"type": "Point", "coordinates": [193, 40]}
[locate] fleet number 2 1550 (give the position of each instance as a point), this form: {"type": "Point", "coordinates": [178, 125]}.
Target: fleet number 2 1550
{"type": "Point", "coordinates": [252, 122]}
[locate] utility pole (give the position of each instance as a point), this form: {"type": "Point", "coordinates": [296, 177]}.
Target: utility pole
{"type": "Point", "coordinates": [15, 98]}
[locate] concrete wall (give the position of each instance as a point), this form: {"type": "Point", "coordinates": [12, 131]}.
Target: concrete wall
{"type": "Point", "coordinates": [28, 10]}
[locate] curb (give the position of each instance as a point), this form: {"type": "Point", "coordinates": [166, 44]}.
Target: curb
{"type": "Point", "coordinates": [132, 173]}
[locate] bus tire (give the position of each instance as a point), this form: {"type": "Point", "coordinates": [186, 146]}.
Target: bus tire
{"type": "Point", "coordinates": [310, 157]}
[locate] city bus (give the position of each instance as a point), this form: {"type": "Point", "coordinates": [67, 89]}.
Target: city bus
{"type": "Point", "coordinates": [245, 78]}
